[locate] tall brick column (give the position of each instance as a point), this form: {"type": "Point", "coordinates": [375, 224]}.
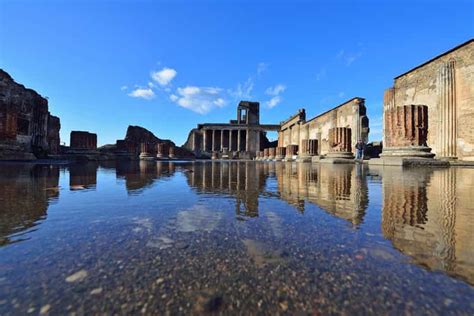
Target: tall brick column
{"type": "Point", "coordinates": [340, 145]}
{"type": "Point", "coordinates": [146, 151]}
{"type": "Point", "coordinates": [406, 132]}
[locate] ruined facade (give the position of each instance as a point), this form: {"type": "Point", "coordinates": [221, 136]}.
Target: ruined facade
{"type": "Point", "coordinates": [444, 86]}
{"type": "Point", "coordinates": [27, 129]}
{"type": "Point", "coordinates": [83, 140]}
{"type": "Point", "coordinates": [240, 138]}
{"type": "Point", "coordinates": [336, 130]}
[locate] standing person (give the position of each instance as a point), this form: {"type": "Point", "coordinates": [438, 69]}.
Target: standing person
{"type": "Point", "coordinates": [360, 146]}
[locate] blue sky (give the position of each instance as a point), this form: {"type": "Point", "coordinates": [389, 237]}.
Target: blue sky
{"type": "Point", "coordinates": [169, 65]}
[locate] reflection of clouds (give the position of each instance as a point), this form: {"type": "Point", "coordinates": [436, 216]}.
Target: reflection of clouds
{"type": "Point", "coordinates": [198, 217]}
{"type": "Point", "coordinates": [142, 223]}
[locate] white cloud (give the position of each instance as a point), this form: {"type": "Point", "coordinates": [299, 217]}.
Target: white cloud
{"type": "Point", "coordinates": [164, 76]}
{"type": "Point", "coordinates": [144, 93]}
{"type": "Point", "coordinates": [199, 99]}
{"type": "Point", "coordinates": [273, 102]}
{"type": "Point", "coordinates": [276, 90]}
{"type": "Point", "coordinates": [123, 88]}
{"type": "Point", "coordinates": [261, 67]}
{"type": "Point", "coordinates": [243, 91]}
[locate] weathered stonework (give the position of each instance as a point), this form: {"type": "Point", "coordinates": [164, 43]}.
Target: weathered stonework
{"type": "Point", "coordinates": [243, 137]}
{"type": "Point", "coordinates": [291, 152]}
{"type": "Point", "coordinates": [406, 130]}
{"type": "Point", "coordinates": [83, 141]}
{"type": "Point", "coordinates": [297, 130]}
{"type": "Point", "coordinates": [280, 153]}
{"type": "Point", "coordinates": [271, 153]}
{"type": "Point", "coordinates": [340, 142]}
{"type": "Point", "coordinates": [162, 150]}
{"type": "Point", "coordinates": [444, 85]}
{"type": "Point", "coordinates": [146, 151]}
{"type": "Point", "coordinates": [27, 129]}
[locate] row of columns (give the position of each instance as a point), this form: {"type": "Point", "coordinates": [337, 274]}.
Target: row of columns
{"type": "Point", "coordinates": [224, 138]}
{"type": "Point", "coordinates": [162, 150]}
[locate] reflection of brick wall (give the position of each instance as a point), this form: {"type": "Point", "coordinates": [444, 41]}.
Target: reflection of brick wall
{"type": "Point", "coordinates": [406, 126]}
{"type": "Point", "coordinates": [8, 126]}
{"type": "Point", "coordinates": [83, 140]}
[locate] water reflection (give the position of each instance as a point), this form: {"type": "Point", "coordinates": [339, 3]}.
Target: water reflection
{"type": "Point", "coordinates": [340, 190]}
{"type": "Point", "coordinates": [25, 194]}
{"type": "Point", "coordinates": [429, 216]}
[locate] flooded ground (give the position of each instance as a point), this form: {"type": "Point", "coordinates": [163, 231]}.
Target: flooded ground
{"type": "Point", "coordinates": [235, 238]}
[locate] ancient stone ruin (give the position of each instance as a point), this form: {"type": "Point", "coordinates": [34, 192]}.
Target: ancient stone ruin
{"type": "Point", "coordinates": [27, 129]}
{"type": "Point", "coordinates": [314, 137]}
{"type": "Point", "coordinates": [340, 143]}
{"type": "Point", "coordinates": [243, 137]}
{"type": "Point", "coordinates": [81, 140]}
{"type": "Point", "coordinates": [443, 85]}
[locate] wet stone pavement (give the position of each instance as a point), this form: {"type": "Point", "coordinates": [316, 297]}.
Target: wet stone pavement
{"type": "Point", "coordinates": [235, 238]}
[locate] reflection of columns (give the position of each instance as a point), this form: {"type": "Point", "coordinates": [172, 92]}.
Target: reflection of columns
{"type": "Point", "coordinates": [238, 139]}
{"type": "Point", "coordinates": [447, 110]}
{"type": "Point", "coordinates": [447, 186]}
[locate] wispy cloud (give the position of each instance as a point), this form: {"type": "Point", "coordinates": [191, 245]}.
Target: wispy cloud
{"type": "Point", "coordinates": [199, 99]}
{"type": "Point", "coordinates": [143, 93]}
{"type": "Point", "coordinates": [164, 76]}
{"type": "Point", "coordinates": [321, 74]}
{"type": "Point", "coordinates": [348, 57]}
{"type": "Point", "coordinates": [243, 90]}
{"type": "Point", "coordinates": [261, 67]}
{"type": "Point", "coordinates": [276, 90]}
{"type": "Point", "coordinates": [123, 88]}
{"type": "Point", "coordinates": [273, 102]}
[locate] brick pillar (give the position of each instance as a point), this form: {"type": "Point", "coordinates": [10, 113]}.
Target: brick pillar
{"type": "Point", "coordinates": [145, 151]}
{"type": "Point", "coordinates": [280, 153]}
{"type": "Point", "coordinates": [406, 131]}
{"type": "Point", "coordinates": [171, 152]}
{"type": "Point", "coordinates": [291, 151]}
{"type": "Point", "coordinates": [271, 153]}
{"type": "Point", "coordinates": [340, 145]}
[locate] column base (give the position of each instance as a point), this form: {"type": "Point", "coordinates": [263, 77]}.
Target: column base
{"type": "Point", "coordinates": [146, 156]}
{"type": "Point", "coordinates": [340, 155]}
{"type": "Point", "coordinates": [407, 152]}
{"type": "Point", "coordinates": [407, 162]}
{"type": "Point", "coordinates": [279, 158]}
{"type": "Point", "coordinates": [304, 158]}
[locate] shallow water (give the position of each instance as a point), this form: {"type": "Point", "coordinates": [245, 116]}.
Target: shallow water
{"type": "Point", "coordinates": [235, 237]}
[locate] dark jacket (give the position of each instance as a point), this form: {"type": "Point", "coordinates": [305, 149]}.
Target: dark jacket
{"type": "Point", "coordinates": [360, 146]}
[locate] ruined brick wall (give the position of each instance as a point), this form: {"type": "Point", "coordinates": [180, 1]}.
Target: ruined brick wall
{"type": "Point", "coordinates": [54, 125]}
{"type": "Point", "coordinates": [83, 140]}
{"type": "Point", "coordinates": [351, 114]}
{"type": "Point", "coordinates": [445, 85]}
{"type": "Point", "coordinates": [24, 117]}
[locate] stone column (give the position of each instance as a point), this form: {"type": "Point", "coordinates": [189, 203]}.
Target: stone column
{"type": "Point", "coordinates": [222, 140]}
{"type": "Point", "coordinates": [406, 132]}
{"type": "Point", "coordinates": [447, 132]}
{"type": "Point", "coordinates": [213, 145]}
{"type": "Point", "coordinates": [271, 153]}
{"type": "Point", "coordinates": [309, 148]}
{"type": "Point", "coordinates": [247, 147]}
{"type": "Point", "coordinates": [265, 154]}
{"type": "Point", "coordinates": [238, 140]}
{"type": "Point", "coordinates": [162, 150]}
{"type": "Point", "coordinates": [291, 152]}
{"type": "Point", "coordinates": [204, 140]}
{"type": "Point", "coordinates": [171, 152]}
{"type": "Point", "coordinates": [340, 143]}
{"type": "Point", "coordinates": [280, 153]}
{"type": "Point", "coordinates": [145, 152]}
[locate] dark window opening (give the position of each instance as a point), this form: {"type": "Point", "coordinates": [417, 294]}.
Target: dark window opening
{"type": "Point", "coordinates": [23, 126]}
